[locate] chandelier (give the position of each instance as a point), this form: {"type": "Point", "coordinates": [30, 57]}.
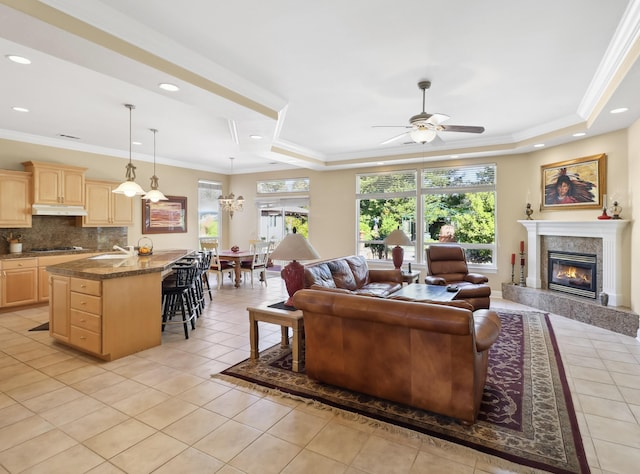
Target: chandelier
{"type": "Point", "coordinates": [228, 202]}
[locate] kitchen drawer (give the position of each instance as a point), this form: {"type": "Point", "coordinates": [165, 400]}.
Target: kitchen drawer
{"type": "Point", "coordinates": [84, 339]}
{"type": "Point", "coordinates": [18, 263]}
{"type": "Point", "coordinates": [88, 321]}
{"type": "Point", "coordinates": [88, 287]}
{"type": "Point", "coordinates": [87, 303]}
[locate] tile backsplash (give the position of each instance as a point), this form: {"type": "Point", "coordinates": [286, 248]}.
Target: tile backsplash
{"type": "Point", "coordinates": [64, 231]}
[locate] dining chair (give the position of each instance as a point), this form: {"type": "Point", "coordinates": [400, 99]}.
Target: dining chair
{"type": "Point", "coordinates": [258, 262]}
{"type": "Point", "coordinates": [216, 266]}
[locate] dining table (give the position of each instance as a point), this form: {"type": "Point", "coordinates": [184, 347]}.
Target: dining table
{"type": "Point", "coordinates": [236, 258]}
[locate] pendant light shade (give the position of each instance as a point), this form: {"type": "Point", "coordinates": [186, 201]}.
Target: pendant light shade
{"type": "Point", "coordinates": [154, 195]}
{"type": "Point", "coordinates": [129, 187]}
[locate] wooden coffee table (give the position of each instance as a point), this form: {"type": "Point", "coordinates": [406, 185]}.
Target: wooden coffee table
{"type": "Point", "coordinates": [422, 291]}
{"type": "Point", "coordinates": [282, 317]}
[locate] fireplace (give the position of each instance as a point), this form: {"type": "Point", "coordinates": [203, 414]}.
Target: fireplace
{"type": "Point", "coordinates": [573, 273]}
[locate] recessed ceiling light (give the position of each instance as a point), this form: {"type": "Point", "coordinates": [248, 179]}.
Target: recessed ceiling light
{"type": "Point", "coordinates": [619, 110]}
{"type": "Point", "coordinates": [255, 137]}
{"type": "Point", "coordinates": [380, 163]}
{"type": "Point", "coordinates": [18, 59]}
{"type": "Point", "coordinates": [168, 87]}
{"type": "Point", "coordinates": [455, 156]}
{"type": "Point", "coordinates": [136, 143]}
{"type": "Point", "coordinates": [20, 109]}
{"type": "Point", "coordinates": [538, 145]}
{"type": "Point", "coordinates": [579, 134]}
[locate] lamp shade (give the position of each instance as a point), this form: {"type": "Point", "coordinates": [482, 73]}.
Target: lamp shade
{"type": "Point", "coordinates": [293, 247]}
{"type": "Point", "coordinates": [398, 237]}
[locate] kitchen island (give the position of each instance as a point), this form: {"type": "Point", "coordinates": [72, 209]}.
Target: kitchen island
{"type": "Point", "coordinates": [109, 305]}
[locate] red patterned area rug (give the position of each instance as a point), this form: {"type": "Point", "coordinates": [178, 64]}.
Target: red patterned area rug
{"type": "Point", "coordinates": [527, 415]}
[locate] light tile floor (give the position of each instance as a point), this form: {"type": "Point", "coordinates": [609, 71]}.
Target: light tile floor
{"type": "Point", "coordinates": [160, 411]}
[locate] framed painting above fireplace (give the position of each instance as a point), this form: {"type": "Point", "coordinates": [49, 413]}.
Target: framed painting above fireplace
{"type": "Point", "coordinates": [574, 184]}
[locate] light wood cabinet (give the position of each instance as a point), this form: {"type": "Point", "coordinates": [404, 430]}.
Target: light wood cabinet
{"type": "Point", "coordinates": [18, 282]}
{"type": "Point", "coordinates": [104, 208]}
{"type": "Point", "coordinates": [43, 275]}
{"type": "Point", "coordinates": [85, 315]}
{"type": "Point", "coordinates": [59, 308]}
{"type": "Point", "coordinates": [56, 184]}
{"type": "Point", "coordinates": [15, 199]}
{"type": "Point", "coordinates": [109, 318]}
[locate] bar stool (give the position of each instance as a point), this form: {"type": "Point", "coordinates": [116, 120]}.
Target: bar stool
{"type": "Point", "coordinates": [177, 297]}
{"type": "Point", "coordinates": [204, 272]}
{"type": "Point", "coordinates": [196, 292]}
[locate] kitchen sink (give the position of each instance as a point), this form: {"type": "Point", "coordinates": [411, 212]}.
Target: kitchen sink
{"type": "Point", "coordinates": [109, 256]}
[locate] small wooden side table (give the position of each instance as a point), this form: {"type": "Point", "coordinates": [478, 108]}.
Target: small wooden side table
{"type": "Point", "coordinates": [282, 317]}
{"type": "Point", "coordinates": [410, 277]}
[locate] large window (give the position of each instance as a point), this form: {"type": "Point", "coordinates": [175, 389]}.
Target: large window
{"type": "Point", "coordinates": [209, 218]}
{"type": "Point", "coordinates": [457, 204]}
{"type": "Point", "coordinates": [283, 204]}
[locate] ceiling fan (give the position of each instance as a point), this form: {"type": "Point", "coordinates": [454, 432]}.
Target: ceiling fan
{"type": "Point", "coordinates": [425, 127]}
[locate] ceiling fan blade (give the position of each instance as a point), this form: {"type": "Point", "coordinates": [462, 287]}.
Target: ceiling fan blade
{"type": "Point", "coordinates": [393, 139]}
{"type": "Point", "coordinates": [390, 126]}
{"type": "Point", "coordinates": [437, 119]}
{"type": "Point", "coordinates": [461, 128]}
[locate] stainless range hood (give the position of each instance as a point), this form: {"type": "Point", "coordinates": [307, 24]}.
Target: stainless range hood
{"type": "Point", "coordinates": [57, 210]}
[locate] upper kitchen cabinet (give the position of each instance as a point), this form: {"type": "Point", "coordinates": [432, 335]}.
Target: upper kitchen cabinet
{"type": "Point", "coordinates": [105, 208]}
{"type": "Point", "coordinates": [56, 184]}
{"type": "Point", "coordinates": [15, 199]}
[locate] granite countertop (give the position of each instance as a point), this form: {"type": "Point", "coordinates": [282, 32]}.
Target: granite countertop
{"type": "Point", "coordinates": [101, 269]}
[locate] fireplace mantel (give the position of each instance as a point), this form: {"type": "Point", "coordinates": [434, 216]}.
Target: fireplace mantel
{"type": "Point", "coordinates": [610, 231]}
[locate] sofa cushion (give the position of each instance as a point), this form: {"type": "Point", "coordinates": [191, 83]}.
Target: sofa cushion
{"type": "Point", "coordinates": [342, 274]}
{"type": "Point", "coordinates": [360, 270]}
{"type": "Point", "coordinates": [319, 275]}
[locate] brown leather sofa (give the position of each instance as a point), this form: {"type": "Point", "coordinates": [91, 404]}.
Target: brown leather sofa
{"type": "Point", "coordinates": [447, 265]}
{"type": "Point", "coordinates": [351, 275]}
{"type": "Point", "coordinates": [428, 356]}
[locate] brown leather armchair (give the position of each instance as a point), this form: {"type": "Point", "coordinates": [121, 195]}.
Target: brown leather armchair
{"type": "Point", "coordinates": [447, 265]}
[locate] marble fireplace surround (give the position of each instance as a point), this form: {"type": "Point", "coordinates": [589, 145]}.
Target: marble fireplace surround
{"type": "Point", "coordinates": [610, 253]}
{"type": "Point", "coordinates": [602, 238]}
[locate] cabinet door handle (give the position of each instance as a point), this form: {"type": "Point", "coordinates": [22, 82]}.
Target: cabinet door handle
{"type": "Point", "coordinates": [83, 338]}
{"type": "Point", "coordinates": [83, 320]}
{"type": "Point", "coordinates": [83, 303]}
{"type": "Point", "coordinates": [83, 286]}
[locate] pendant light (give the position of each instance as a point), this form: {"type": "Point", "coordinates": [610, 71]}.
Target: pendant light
{"type": "Point", "coordinates": [154, 195]}
{"type": "Point", "coordinates": [129, 187]}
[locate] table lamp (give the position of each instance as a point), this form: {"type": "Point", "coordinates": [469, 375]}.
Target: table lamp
{"type": "Point", "coordinates": [293, 247]}
{"type": "Point", "coordinates": [397, 238]}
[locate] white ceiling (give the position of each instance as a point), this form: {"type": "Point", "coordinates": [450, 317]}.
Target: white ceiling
{"type": "Point", "coordinates": [314, 78]}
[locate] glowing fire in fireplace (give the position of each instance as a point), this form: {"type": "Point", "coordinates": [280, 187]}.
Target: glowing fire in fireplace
{"type": "Point", "coordinates": [573, 273]}
{"type": "Point", "coordinates": [574, 276]}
